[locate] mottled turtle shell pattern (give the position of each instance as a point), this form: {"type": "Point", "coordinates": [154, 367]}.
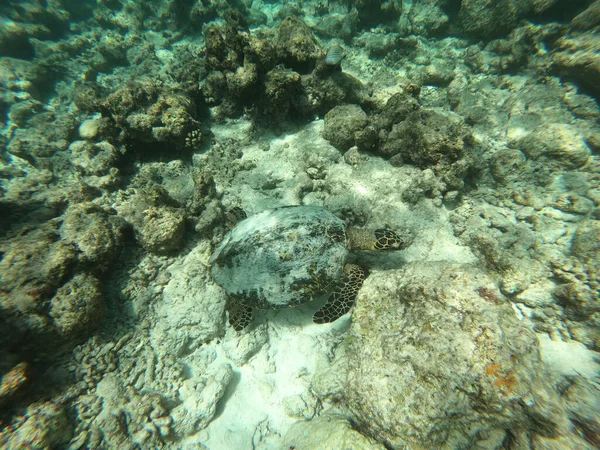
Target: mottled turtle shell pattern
{"type": "Point", "coordinates": [281, 257]}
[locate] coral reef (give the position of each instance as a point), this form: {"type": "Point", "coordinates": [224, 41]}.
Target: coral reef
{"type": "Point", "coordinates": [131, 128]}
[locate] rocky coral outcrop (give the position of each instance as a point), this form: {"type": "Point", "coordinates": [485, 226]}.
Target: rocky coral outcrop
{"type": "Point", "coordinates": [490, 19]}
{"type": "Point", "coordinates": [373, 12]}
{"type": "Point", "coordinates": [45, 426]}
{"type": "Point", "coordinates": [588, 18]}
{"type": "Point", "coordinates": [328, 432]}
{"type": "Point", "coordinates": [296, 46]}
{"type": "Point", "coordinates": [31, 20]}
{"type": "Point", "coordinates": [577, 58]}
{"type": "Point", "coordinates": [78, 306]}
{"type": "Point", "coordinates": [561, 143]}
{"type": "Point", "coordinates": [46, 135]}
{"type": "Point", "coordinates": [342, 124]}
{"type": "Point", "coordinates": [149, 113]}
{"type": "Point", "coordinates": [486, 377]}
{"type": "Point", "coordinates": [51, 293]}
{"type": "Point", "coordinates": [158, 220]}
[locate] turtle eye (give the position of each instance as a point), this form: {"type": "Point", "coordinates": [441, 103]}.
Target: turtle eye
{"type": "Point", "coordinates": [387, 240]}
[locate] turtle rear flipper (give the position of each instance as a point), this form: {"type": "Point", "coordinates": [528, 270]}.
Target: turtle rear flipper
{"type": "Point", "coordinates": [240, 314]}
{"type": "Point", "coordinates": [343, 296]}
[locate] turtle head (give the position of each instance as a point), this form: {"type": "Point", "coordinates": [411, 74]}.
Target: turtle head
{"type": "Point", "coordinates": [388, 240]}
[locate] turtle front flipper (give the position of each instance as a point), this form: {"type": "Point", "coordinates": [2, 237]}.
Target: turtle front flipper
{"type": "Point", "coordinates": [240, 314]}
{"type": "Point", "coordinates": [343, 296]}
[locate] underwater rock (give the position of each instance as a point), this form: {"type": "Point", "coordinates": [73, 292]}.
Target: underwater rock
{"type": "Point", "coordinates": [440, 360]}
{"type": "Point", "coordinates": [224, 48]}
{"type": "Point", "coordinates": [340, 26]}
{"type": "Point", "coordinates": [322, 92]}
{"type": "Point", "coordinates": [587, 19]}
{"type": "Point", "coordinates": [95, 232]}
{"type": "Point", "coordinates": [577, 58]}
{"type": "Point", "coordinates": [281, 87]}
{"type": "Point", "coordinates": [236, 63]}
{"type": "Point", "coordinates": [428, 18]}
{"type": "Point", "coordinates": [486, 19]}
{"type": "Point", "coordinates": [157, 219]}
{"type": "Point", "coordinates": [374, 12]}
{"type": "Point", "coordinates": [200, 397]}
{"type": "Point", "coordinates": [439, 73]}
{"type": "Point", "coordinates": [397, 108]}
{"type": "Point", "coordinates": [33, 266]}
{"type": "Point", "coordinates": [434, 139]}
{"type": "Point", "coordinates": [579, 276]}
{"type": "Point", "coordinates": [381, 45]}
{"type": "Point", "coordinates": [423, 185]}
{"type": "Point", "coordinates": [162, 229]}
{"type": "Point", "coordinates": [367, 138]}
{"type": "Point", "coordinates": [241, 82]}
{"type": "Point", "coordinates": [508, 165]}
{"type": "Point", "coordinates": [20, 80]}
{"type": "Point", "coordinates": [45, 426]}
{"type": "Point", "coordinates": [51, 293]}
{"type": "Point", "coordinates": [559, 142]}
{"type": "Point", "coordinates": [189, 313]}
{"type": "Point", "coordinates": [341, 124]}
{"type": "Point", "coordinates": [208, 10]}
{"type": "Point", "coordinates": [47, 134]}
{"type": "Point", "coordinates": [14, 382]}
{"type": "Point", "coordinates": [77, 308]}
{"type": "Point", "coordinates": [428, 137]}
{"type": "Point", "coordinates": [93, 158]}
{"type": "Point", "coordinates": [30, 20]}
{"type": "Point", "coordinates": [296, 46]}
{"type": "Point", "coordinates": [148, 420]}
{"type": "Point", "coordinates": [586, 243]}
{"type": "Point", "coordinates": [149, 113]}
{"type": "Point", "coordinates": [330, 431]}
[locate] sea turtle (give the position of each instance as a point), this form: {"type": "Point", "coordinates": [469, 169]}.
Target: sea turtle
{"type": "Point", "coordinates": [291, 255]}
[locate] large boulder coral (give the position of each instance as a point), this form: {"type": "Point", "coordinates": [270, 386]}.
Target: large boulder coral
{"type": "Point", "coordinates": [373, 12]}
{"type": "Point", "coordinates": [436, 358]}
{"type": "Point", "coordinates": [157, 219]}
{"type": "Point", "coordinates": [428, 137]}
{"type": "Point", "coordinates": [577, 58]}
{"type": "Point", "coordinates": [558, 143]}
{"type": "Point", "coordinates": [296, 46]}
{"type": "Point", "coordinates": [78, 306]}
{"type": "Point", "coordinates": [46, 135]}
{"type": "Point", "coordinates": [148, 112]}
{"type": "Point", "coordinates": [434, 139]}
{"type": "Point", "coordinates": [487, 19]}
{"type": "Point", "coordinates": [95, 232]}
{"type": "Point", "coordinates": [341, 125]}
{"type": "Point", "coordinates": [30, 20]}
{"type": "Point", "coordinates": [49, 279]}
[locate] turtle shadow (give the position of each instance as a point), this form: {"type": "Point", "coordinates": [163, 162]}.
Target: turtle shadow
{"type": "Point", "coordinates": [300, 315]}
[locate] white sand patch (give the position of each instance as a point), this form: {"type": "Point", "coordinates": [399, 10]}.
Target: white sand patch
{"type": "Point", "coordinates": [569, 358]}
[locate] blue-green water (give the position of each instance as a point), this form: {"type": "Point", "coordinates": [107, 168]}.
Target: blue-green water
{"type": "Point", "coordinates": [147, 146]}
